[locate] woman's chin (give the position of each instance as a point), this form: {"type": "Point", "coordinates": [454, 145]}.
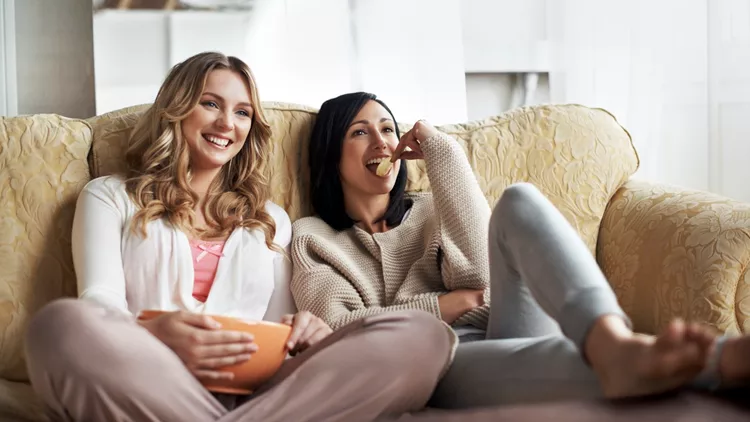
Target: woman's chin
{"type": "Point", "coordinates": [211, 163]}
{"type": "Point", "coordinates": [383, 189]}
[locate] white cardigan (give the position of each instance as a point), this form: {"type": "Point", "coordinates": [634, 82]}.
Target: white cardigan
{"type": "Point", "coordinates": [119, 269]}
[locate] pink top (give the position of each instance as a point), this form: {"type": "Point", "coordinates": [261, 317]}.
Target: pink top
{"type": "Point", "coordinates": [206, 256]}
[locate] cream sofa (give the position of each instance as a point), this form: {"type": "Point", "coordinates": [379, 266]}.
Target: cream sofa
{"type": "Point", "coordinates": [667, 251]}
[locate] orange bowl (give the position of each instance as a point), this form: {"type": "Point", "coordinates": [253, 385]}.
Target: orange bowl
{"type": "Point", "coordinates": [271, 339]}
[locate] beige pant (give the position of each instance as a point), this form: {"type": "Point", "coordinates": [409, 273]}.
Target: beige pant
{"type": "Point", "coordinates": [91, 364]}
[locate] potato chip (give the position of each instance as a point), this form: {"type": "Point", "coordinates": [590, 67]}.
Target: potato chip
{"type": "Point", "coordinates": [383, 167]}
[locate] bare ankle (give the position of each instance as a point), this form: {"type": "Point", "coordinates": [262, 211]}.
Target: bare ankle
{"type": "Point", "coordinates": [606, 330]}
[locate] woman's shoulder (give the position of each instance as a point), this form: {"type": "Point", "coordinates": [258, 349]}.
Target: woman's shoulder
{"type": "Point", "coordinates": [418, 196]}
{"type": "Point", "coordinates": [111, 185]}
{"type": "Point", "coordinates": [309, 231]}
{"type": "Point", "coordinates": [312, 235]}
{"type": "Point", "coordinates": [109, 190]}
{"type": "Point", "coordinates": [313, 226]}
{"type": "Point", "coordinates": [283, 225]}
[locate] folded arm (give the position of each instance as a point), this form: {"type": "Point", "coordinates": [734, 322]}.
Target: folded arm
{"type": "Point", "coordinates": [326, 293]}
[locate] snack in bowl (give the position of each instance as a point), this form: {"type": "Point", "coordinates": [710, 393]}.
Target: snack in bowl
{"type": "Point", "coordinates": [271, 339]}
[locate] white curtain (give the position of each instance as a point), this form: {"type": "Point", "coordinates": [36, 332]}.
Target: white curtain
{"type": "Point", "coordinates": [666, 69]}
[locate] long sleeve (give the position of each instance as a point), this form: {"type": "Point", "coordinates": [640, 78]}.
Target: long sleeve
{"type": "Point", "coordinates": [462, 211]}
{"type": "Point", "coordinates": [319, 288]}
{"type": "Point", "coordinates": [281, 302]}
{"type": "Point", "coordinates": [96, 246]}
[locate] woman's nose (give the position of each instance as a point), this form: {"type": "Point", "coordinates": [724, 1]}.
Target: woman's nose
{"type": "Point", "coordinates": [225, 121]}
{"type": "Point", "coordinates": [380, 141]}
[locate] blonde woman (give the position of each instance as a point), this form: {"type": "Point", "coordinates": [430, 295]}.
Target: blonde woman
{"type": "Point", "coordinates": [190, 230]}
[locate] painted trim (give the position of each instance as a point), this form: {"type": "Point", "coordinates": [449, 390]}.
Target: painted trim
{"type": "Point", "coordinates": [8, 79]}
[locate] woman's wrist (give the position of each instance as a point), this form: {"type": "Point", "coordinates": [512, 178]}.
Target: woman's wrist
{"type": "Point", "coordinates": [436, 137]}
{"type": "Point", "coordinates": [147, 324]}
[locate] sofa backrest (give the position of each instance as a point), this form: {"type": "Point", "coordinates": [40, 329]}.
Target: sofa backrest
{"type": "Point", "coordinates": [577, 156]}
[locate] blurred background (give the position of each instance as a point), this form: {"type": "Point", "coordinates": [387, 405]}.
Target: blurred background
{"type": "Point", "coordinates": [675, 73]}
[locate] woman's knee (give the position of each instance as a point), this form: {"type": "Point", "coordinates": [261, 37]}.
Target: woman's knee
{"type": "Point", "coordinates": [419, 343]}
{"type": "Point", "coordinates": [516, 205]}
{"type": "Point", "coordinates": [57, 330]}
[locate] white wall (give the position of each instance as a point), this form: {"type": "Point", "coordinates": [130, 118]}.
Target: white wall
{"type": "Point", "coordinates": [300, 51]}
{"type": "Point", "coordinates": [410, 54]}
{"type": "Point", "coordinates": [491, 94]}
{"type": "Point", "coordinates": [661, 77]}
{"type": "Point", "coordinates": [729, 96]}
{"type": "Point", "coordinates": [297, 52]}
{"type": "Point", "coordinates": [503, 41]}
{"type": "Point", "coordinates": [679, 82]}
{"type": "Point", "coordinates": [505, 35]}
{"type": "Point", "coordinates": [50, 63]}
{"type": "Point", "coordinates": [8, 97]}
{"type": "Point", "coordinates": [680, 86]}
{"type": "Point", "coordinates": [134, 50]}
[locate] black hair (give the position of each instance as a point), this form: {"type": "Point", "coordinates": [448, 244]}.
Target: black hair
{"type": "Point", "coordinates": [326, 143]}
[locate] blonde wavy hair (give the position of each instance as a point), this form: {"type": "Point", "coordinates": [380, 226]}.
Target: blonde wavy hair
{"type": "Point", "coordinates": [158, 158]}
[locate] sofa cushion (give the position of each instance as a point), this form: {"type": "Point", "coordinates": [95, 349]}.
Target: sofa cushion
{"type": "Point", "coordinates": [576, 155]}
{"type": "Point", "coordinates": [42, 169]}
{"type": "Point", "coordinates": [110, 139]}
{"type": "Point", "coordinates": [19, 403]}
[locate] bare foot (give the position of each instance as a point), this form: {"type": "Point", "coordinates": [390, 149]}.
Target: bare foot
{"type": "Point", "coordinates": [633, 364]}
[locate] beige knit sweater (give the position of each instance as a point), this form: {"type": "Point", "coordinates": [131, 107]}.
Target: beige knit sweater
{"type": "Point", "coordinates": [342, 276]}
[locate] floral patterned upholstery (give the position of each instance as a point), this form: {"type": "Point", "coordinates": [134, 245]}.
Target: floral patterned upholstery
{"type": "Point", "coordinates": [42, 169]}
{"type": "Point", "coordinates": [667, 252]}
{"type": "Point", "coordinates": [672, 253]}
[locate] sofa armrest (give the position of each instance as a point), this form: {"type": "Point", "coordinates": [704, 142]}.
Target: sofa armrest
{"type": "Point", "coordinates": [670, 252]}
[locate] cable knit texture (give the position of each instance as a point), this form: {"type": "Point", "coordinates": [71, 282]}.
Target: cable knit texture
{"type": "Point", "coordinates": [441, 246]}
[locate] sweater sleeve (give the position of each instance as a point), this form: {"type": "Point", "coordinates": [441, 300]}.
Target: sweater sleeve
{"type": "Point", "coordinates": [462, 211]}
{"type": "Point", "coordinates": [322, 290]}
{"type": "Point", "coordinates": [96, 246]}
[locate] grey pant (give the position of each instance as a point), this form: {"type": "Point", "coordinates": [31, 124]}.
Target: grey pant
{"type": "Point", "coordinates": [92, 364]}
{"type": "Point", "coordinates": [546, 290]}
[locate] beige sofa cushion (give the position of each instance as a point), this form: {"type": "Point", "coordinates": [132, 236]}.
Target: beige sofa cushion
{"type": "Point", "coordinates": [576, 155]}
{"type": "Point", "coordinates": [42, 169]}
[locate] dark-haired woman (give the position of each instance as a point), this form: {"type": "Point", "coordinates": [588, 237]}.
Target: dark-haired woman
{"type": "Point", "coordinates": [554, 330]}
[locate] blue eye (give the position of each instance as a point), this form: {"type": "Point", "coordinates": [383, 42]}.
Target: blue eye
{"type": "Point", "coordinates": [210, 104]}
{"type": "Point", "coordinates": [244, 113]}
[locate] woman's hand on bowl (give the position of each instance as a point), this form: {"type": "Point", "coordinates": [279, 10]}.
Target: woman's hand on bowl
{"type": "Point", "coordinates": [307, 330]}
{"type": "Point", "coordinates": [413, 139]}
{"type": "Point", "coordinates": [200, 344]}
